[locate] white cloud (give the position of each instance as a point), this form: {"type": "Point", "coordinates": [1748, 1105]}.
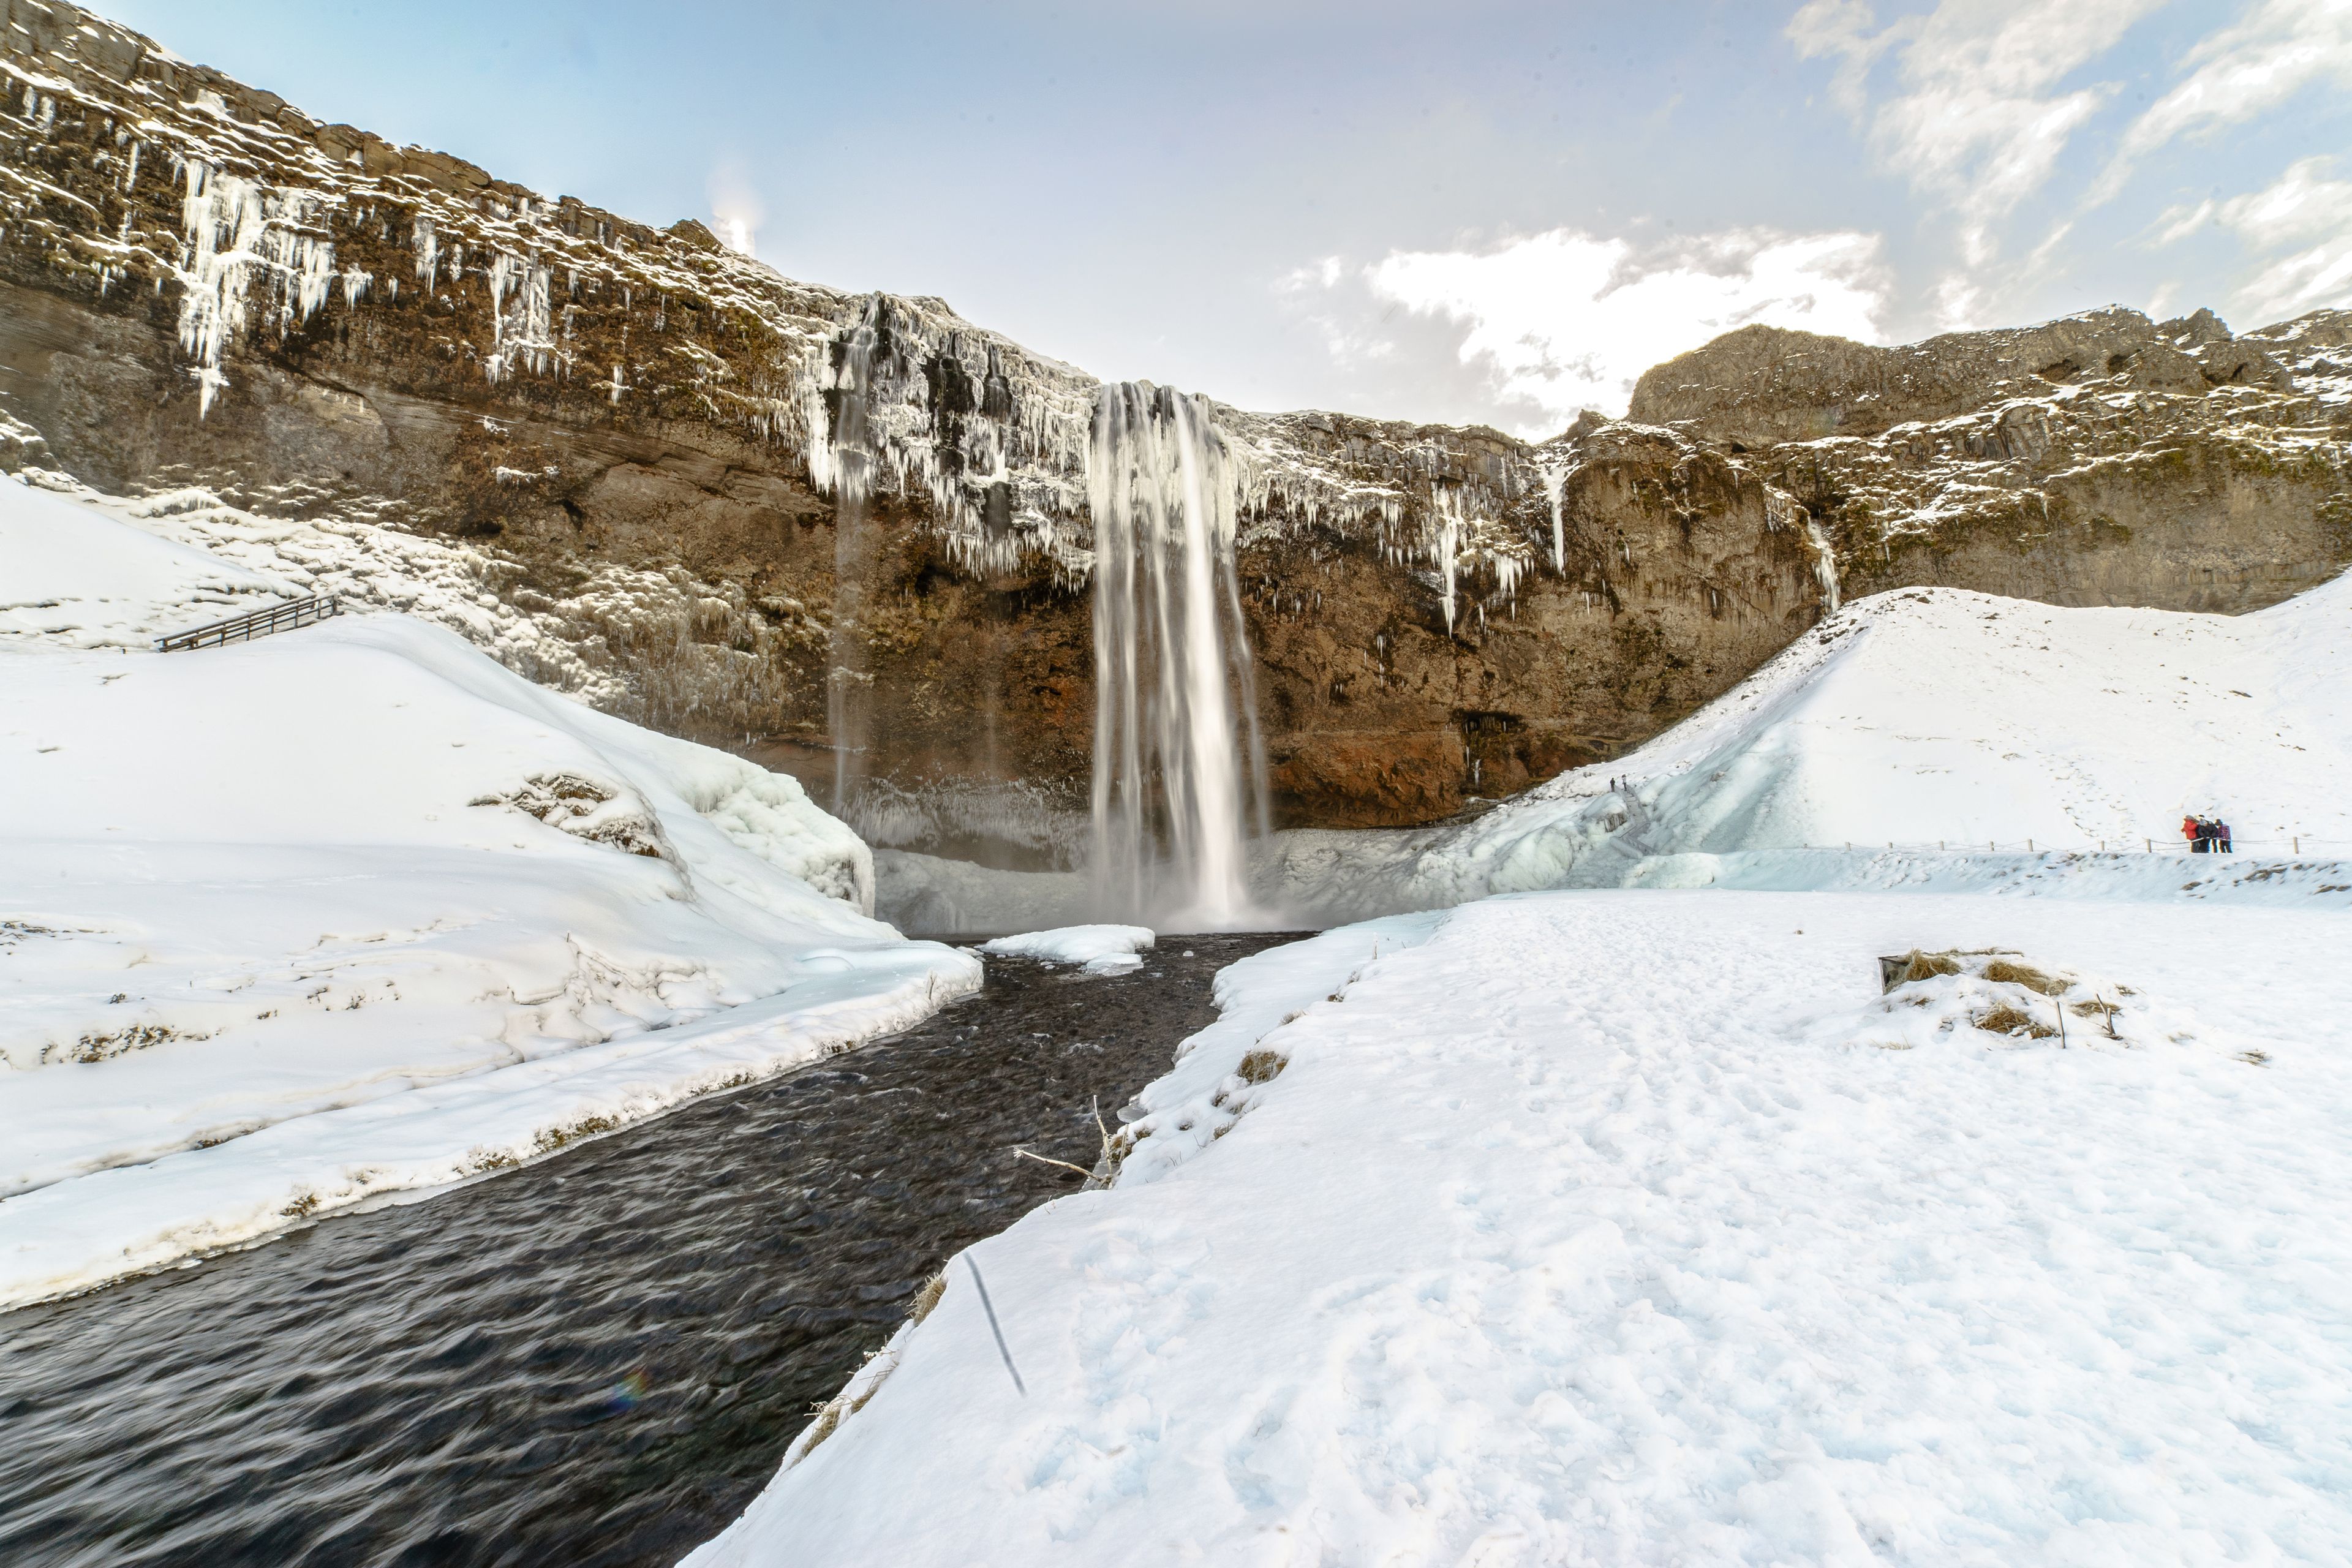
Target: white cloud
{"type": "Point", "coordinates": [1842, 28]}
{"type": "Point", "coordinates": [2250, 67]}
{"type": "Point", "coordinates": [1323, 274]}
{"type": "Point", "coordinates": [1977, 120]}
{"type": "Point", "coordinates": [2302, 225]}
{"type": "Point", "coordinates": [1564, 320]}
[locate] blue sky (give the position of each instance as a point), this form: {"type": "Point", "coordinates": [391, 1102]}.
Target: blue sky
{"type": "Point", "coordinates": [1485, 211]}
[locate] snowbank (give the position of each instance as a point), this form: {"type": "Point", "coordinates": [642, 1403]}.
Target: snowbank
{"type": "Point", "coordinates": [1643, 1227]}
{"type": "Point", "coordinates": [352, 909]}
{"type": "Point", "coordinates": [1101, 949]}
{"type": "Point", "coordinates": [1932, 727]}
{"type": "Point", "coordinates": [72, 578]}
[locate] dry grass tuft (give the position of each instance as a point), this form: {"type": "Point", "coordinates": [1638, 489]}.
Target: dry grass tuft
{"type": "Point", "coordinates": [1927, 965]}
{"type": "Point", "coordinates": [2025, 974]}
{"type": "Point", "coordinates": [550, 1138]}
{"type": "Point", "coordinates": [2008, 1020]}
{"type": "Point", "coordinates": [928, 1296]}
{"type": "Point", "coordinates": [1261, 1066]}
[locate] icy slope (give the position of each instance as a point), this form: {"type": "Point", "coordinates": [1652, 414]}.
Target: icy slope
{"type": "Point", "coordinates": [1634, 1228]}
{"type": "Point", "coordinates": [353, 908]}
{"type": "Point", "coordinates": [1929, 721]}
{"type": "Point", "coordinates": [69, 578]}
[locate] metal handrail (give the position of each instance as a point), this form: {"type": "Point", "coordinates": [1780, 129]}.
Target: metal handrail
{"type": "Point", "coordinates": [253, 623]}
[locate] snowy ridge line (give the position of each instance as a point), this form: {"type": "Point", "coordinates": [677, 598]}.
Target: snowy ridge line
{"type": "Point", "coordinates": [77, 1235]}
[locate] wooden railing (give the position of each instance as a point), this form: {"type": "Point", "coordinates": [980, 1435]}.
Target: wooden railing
{"type": "Point", "coordinates": [251, 624]}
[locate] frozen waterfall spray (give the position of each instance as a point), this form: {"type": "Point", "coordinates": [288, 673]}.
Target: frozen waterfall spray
{"type": "Point", "coordinates": [1178, 752]}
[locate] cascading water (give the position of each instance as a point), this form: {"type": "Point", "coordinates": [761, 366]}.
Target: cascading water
{"type": "Point", "coordinates": [1180, 761]}
{"type": "Point", "coordinates": [853, 474]}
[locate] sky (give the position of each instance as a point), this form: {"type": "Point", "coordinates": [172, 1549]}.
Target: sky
{"type": "Point", "coordinates": [1480, 212]}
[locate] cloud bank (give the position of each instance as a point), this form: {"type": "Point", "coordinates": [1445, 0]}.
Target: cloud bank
{"type": "Point", "coordinates": [1564, 320]}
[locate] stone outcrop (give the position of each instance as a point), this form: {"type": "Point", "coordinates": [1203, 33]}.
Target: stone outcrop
{"type": "Point", "coordinates": [688, 488]}
{"type": "Point", "coordinates": [2105, 458]}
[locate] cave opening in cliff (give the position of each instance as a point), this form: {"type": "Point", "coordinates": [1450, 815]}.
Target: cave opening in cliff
{"type": "Point", "coordinates": [1179, 757]}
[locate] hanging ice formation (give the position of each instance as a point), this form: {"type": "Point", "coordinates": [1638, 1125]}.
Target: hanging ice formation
{"type": "Point", "coordinates": [1179, 760]}
{"type": "Point", "coordinates": [235, 228]}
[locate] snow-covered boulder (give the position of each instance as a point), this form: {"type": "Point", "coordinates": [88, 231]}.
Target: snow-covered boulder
{"type": "Point", "coordinates": [1098, 949]}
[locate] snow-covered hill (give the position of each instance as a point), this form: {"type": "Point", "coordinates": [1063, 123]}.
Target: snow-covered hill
{"type": "Point", "coordinates": [354, 908]}
{"type": "Point", "coordinates": [1962, 737]}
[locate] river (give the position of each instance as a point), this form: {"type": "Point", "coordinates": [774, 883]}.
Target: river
{"type": "Point", "coordinates": [596, 1360]}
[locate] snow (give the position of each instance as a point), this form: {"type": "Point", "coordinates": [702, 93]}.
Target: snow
{"type": "Point", "coordinates": [1636, 1226]}
{"type": "Point", "coordinates": [353, 909]}
{"type": "Point", "coordinates": [78, 580]}
{"type": "Point", "coordinates": [1100, 949]}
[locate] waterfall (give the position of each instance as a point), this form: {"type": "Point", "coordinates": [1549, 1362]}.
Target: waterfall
{"type": "Point", "coordinates": [853, 475]}
{"type": "Point", "coordinates": [1179, 761]}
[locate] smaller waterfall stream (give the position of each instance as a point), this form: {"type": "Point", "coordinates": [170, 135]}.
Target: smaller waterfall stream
{"type": "Point", "coordinates": [1179, 758]}
{"type": "Point", "coordinates": [852, 549]}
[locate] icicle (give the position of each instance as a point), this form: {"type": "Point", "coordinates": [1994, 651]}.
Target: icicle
{"type": "Point", "coordinates": [1445, 545]}
{"type": "Point", "coordinates": [1555, 481]}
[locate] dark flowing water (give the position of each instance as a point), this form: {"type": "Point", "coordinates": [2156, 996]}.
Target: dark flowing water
{"type": "Point", "coordinates": [596, 1360]}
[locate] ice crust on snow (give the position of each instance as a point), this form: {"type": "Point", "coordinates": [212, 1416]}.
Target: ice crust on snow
{"type": "Point", "coordinates": [1098, 949]}
{"type": "Point", "coordinates": [354, 909]}
{"type": "Point", "coordinates": [1603, 1226]}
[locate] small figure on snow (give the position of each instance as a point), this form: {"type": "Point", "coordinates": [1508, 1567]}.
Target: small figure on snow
{"type": "Point", "coordinates": [2206, 835]}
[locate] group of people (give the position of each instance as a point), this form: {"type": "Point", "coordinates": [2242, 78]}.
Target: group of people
{"type": "Point", "coordinates": [2206, 835]}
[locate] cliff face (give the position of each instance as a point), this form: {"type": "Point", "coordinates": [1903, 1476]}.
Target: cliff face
{"type": "Point", "coordinates": [2101, 460]}
{"type": "Point", "coordinates": [619, 457]}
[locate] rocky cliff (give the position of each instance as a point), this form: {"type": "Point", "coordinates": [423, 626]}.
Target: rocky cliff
{"type": "Point", "coordinates": [646, 470]}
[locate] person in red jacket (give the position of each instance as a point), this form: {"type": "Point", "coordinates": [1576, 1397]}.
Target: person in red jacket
{"type": "Point", "coordinates": [2194, 831]}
